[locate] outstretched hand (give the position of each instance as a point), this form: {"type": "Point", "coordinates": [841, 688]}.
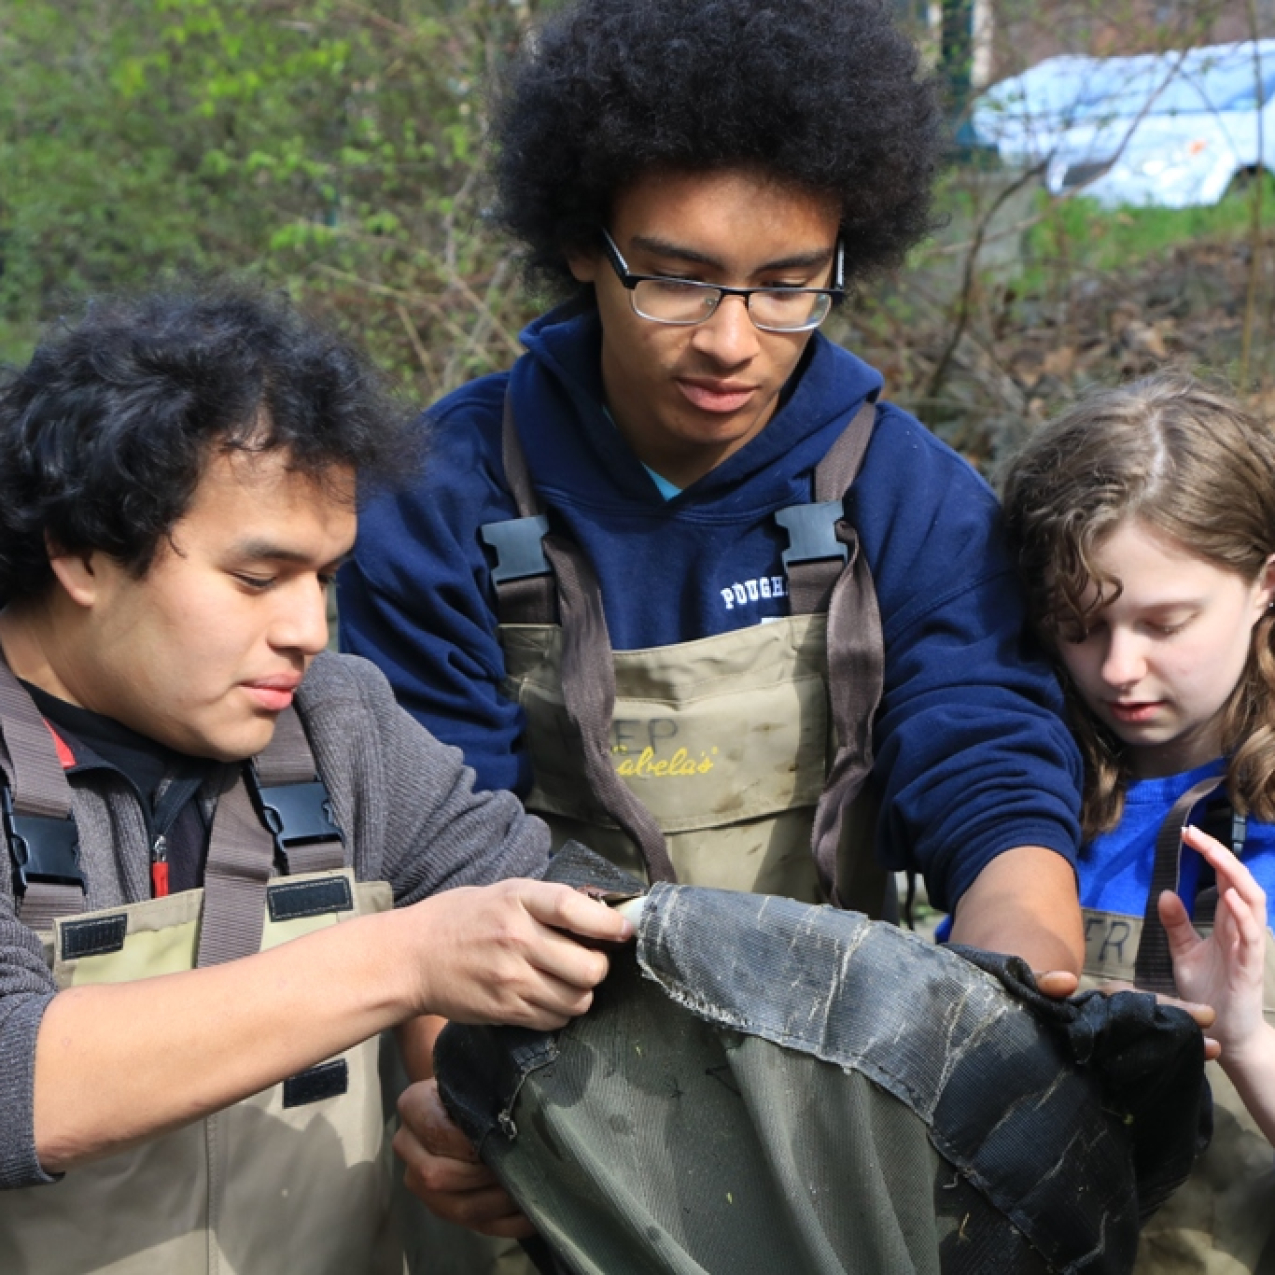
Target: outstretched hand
{"type": "Point", "coordinates": [1226, 969]}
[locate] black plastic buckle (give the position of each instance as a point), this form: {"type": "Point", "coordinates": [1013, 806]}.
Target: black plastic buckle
{"type": "Point", "coordinates": [1223, 822]}
{"type": "Point", "coordinates": [812, 532]}
{"type": "Point", "coordinates": [43, 849]}
{"type": "Point", "coordinates": [298, 814]}
{"type": "Point", "coordinates": [519, 551]}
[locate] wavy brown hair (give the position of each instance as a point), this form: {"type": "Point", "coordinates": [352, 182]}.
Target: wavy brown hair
{"type": "Point", "coordinates": [1184, 459]}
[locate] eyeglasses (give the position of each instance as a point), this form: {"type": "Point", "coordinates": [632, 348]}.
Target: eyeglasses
{"type": "Point", "coordinates": [685, 302]}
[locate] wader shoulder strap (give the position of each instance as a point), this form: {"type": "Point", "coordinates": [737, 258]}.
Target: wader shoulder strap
{"type": "Point", "coordinates": [588, 690]}
{"type": "Point", "coordinates": [1153, 969]}
{"type": "Point", "coordinates": [36, 807]}
{"type": "Point", "coordinates": [240, 857]}
{"type": "Point", "coordinates": [544, 579]}
{"type": "Point", "coordinates": [274, 805]}
{"type": "Point", "coordinates": [817, 553]}
{"type": "Point", "coordinates": [522, 577]}
{"type": "Point", "coordinates": [291, 816]}
{"type": "Point", "coordinates": [856, 661]}
{"type": "Point", "coordinates": [293, 801]}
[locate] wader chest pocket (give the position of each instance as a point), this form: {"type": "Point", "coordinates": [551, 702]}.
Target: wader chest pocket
{"type": "Point", "coordinates": [707, 734]}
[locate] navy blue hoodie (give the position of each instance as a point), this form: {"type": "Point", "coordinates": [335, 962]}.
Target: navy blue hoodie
{"type": "Point", "coordinates": [972, 757]}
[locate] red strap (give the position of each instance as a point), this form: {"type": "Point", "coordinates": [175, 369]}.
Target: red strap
{"type": "Point", "coordinates": [159, 880]}
{"type": "Point", "coordinates": [65, 755]}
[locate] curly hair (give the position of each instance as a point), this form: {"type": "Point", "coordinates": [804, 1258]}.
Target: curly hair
{"type": "Point", "coordinates": [1186, 460]}
{"type": "Point", "coordinates": [829, 97]}
{"type": "Point", "coordinates": [104, 435]}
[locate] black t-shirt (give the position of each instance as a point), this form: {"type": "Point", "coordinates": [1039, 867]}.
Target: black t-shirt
{"type": "Point", "coordinates": [167, 781]}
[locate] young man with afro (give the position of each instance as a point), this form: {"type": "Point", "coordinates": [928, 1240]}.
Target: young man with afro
{"type": "Point", "coordinates": [702, 183]}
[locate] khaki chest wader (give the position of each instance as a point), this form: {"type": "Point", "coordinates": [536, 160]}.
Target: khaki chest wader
{"type": "Point", "coordinates": [295, 1178]}
{"type": "Point", "coordinates": [737, 761]}
{"type": "Point", "coordinates": [1222, 1221]}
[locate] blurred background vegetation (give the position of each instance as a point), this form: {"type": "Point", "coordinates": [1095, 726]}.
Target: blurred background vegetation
{"type": "Point", "coordinates": [331, 148]}
{"type": "Point", "coordinates": [335, 150]}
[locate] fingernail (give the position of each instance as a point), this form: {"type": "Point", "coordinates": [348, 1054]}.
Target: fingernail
{"type": "Point", "coordinates": [631, 909]}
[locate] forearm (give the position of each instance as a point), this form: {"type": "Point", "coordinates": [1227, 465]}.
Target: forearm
{"type": "Point", "coordinates": [1024, 902]}
{"type": "Point", "coordinates": [1252, 1072]}
{"type": "Point", "coordinates": [121, 1063]}
{"type": "Point", "coordinates": [115, 1065]}
{"type": "Point", "coordinates": [416, 1039]}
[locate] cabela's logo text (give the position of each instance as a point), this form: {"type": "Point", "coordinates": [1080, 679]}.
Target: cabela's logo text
{"type": "Point", "coordinates": [680, 764]}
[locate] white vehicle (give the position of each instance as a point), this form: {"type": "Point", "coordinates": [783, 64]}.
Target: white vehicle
{"type": "Point", "coordinates": [1024, 116]}
{"type": "Point", "coordinates": [1171, 129]}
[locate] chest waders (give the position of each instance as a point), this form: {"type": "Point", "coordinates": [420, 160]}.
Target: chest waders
{"type": "Point", "coordinates": [1222, 1221]}
{"type": "Point", "coordinates": [737, 761]}
{"type": "Point", "coordinates": [763, 1087]}
{"type": "Point", "coordinates": [291, 1179]}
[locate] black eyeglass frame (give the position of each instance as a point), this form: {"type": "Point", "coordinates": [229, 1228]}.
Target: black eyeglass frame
{"type": "Point", "coordinates": [836, 292]}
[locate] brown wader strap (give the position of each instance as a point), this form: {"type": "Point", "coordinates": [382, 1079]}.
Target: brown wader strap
{"type": "Point", "coordinates": [294, 801]}
{"type": "Point", "coordinates": [856, 663]}
{"type": "Point", "coordinates": [817, 554]}
{"type": "Point", "coordinates": [44, 843]}
{"type": "Point", "coordinates": [522, 578]}
{"type": "Point", "coordinates": [1153, 969]}
{"type": "Point", "coordinates": [588, 690]}
{"type": "Point", "coordinates": [240, 856]}
{"type": "Point", "coordinates": [293, 821]}
{"type": "Point", "coordinates": [38, 823]}
{"type": "Point", "coordinates": [543, 579]}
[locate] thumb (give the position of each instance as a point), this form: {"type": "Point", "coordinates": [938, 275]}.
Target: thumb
{"type": "Point", "coordinates": [1057, 984]}
{"type": "Point", "coordinates": [1177, 925]}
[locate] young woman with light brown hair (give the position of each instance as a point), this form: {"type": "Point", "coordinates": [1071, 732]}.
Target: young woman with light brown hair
{"type": "Point", "coordinates": [1143, 521]}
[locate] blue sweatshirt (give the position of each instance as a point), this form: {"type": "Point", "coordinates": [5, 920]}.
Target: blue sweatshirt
{"type": "Point", "coordinates": [972, 757]}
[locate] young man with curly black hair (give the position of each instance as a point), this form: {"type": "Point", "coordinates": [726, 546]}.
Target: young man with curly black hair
{"type": "Point", "coordinates": [709, 486]}
{"type": "Point", "coordinates": [226, 849]}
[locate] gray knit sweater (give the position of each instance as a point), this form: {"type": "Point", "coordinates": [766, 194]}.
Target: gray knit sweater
{"type": "Point", "coordinates": [404, 801]}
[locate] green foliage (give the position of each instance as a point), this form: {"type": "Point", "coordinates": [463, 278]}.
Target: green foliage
{"type": "Point", "coordinates": [335, 148]}
{"type": "Point", "coordinates": [1112, 239]}
{"type": "Point", "coordinates": [330, 147]}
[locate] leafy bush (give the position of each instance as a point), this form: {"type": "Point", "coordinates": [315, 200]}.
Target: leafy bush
{"type": "Point", "coordinates": [331, 147]}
